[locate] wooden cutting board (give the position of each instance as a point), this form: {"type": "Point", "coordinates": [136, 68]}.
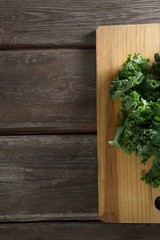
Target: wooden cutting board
{"type": "Point", "coordinates": [123, 197]}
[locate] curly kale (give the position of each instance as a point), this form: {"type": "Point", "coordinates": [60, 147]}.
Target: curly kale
{"type": "Point", "coordinates": [138, 84]}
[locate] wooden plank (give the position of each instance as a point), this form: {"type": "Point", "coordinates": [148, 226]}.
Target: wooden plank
{"type": "Point", "coordinates": [67, 22]}
{"type": "Point", "coordinates": [47, 91]}
{"type": "Point", "coordinates": [74, 230]}
{"type": "Point", "coordinates": [123, 197]}
{"type": "Point", "coordinates": [48, 178]}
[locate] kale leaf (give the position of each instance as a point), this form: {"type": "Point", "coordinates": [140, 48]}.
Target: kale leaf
{"type": "Point", "coordinates": [138, 84]}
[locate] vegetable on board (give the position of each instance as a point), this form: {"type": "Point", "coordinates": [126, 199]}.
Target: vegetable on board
{"type": "Point", "coordinates": [138, 84]}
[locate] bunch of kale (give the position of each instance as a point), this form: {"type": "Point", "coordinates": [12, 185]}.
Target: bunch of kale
{"type": "Point", "coordinates": [138, 84]}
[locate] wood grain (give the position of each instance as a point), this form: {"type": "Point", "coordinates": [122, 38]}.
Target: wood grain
{"type": "Point", "coordinates": [47, 91]}
{"type": "Point", "coordinates": [48, 178]}
{"type": "Point", "coordinates": [67, 22]}
{"type": "Point", "coordinates": [123, 197]}
{"type": "Point", "coordinates": [74, 230]}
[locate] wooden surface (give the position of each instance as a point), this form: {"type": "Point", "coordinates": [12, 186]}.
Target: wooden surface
{"type": "Point", "coordinates": [123, 197]}
{"type": "Point", "coordinates": [78, 231]}
{"type": "Point", "coordinates": [67, 22]}
{"type": "Point", "coordinates": [47, 91]}
{"type": "Point", "coordinates": [48, 87]}
{"type": "Point", "coordinates": [40, 181]}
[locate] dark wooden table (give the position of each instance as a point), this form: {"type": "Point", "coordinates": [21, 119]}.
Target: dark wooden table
{"type": "Point", "coordinates": [48, 148]}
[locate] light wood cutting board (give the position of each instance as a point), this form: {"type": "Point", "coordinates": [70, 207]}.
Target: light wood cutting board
{"type": "Point", "coordinates": [123, 197]}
